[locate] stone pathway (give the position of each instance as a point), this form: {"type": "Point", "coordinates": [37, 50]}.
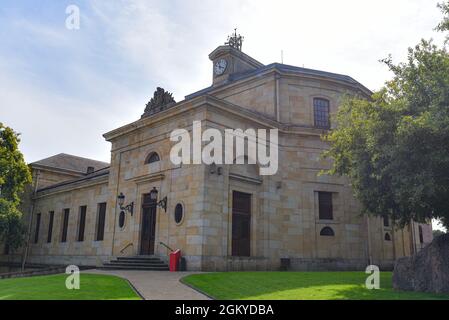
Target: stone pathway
{"type": "Point", "coordinates": [156, 285]}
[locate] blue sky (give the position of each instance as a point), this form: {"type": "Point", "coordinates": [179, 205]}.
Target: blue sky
{"type": "Point", "coordinates": [62, 89]}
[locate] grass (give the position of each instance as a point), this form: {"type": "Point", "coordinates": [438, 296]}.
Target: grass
{"type": "Point", "coordinates": [52, 287]}
{"type": "Point", "coordinates": [299, 286]}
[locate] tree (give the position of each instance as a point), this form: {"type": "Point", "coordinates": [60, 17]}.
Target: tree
{"type": "Point", "coordinates": [444, 25]}
{"type": "Point", "coordinates": [437, 233]}
{"type": "Point", "coordinates": [14, 176]}
{"type": "Point", "coordinates": [395, 147]}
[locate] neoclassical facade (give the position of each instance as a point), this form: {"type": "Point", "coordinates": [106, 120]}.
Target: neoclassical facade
{"type": "Point", "coordinates": [222, 217]}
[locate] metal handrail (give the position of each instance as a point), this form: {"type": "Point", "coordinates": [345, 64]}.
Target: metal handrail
{"type": "Point", "coordinates": [163, 244]}
{"type": "Point", "coordinates": [126, 247]}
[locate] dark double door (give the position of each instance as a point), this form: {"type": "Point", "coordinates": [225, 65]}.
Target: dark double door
{"type": "Point", "coordinates": [148, 226]}
{"type": "Point", "coordinates": [241, 224]}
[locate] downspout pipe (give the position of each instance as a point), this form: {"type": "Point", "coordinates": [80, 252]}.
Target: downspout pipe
{"type": "Point", "coordinates": [370, 257]}
{"type": "Point", "coordinates": [115, 202]}
{"type": "Point", "coordinates": [30, 221]}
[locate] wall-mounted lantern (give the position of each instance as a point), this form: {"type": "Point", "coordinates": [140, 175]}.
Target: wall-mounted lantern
{"type": "Point", "coordinates": [121, 202]}
{"type": "Point", "coordinates": [162, 203]}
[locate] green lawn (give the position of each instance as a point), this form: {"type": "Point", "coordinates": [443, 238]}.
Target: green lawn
{"type": "Point", "coordinates": [299, 286]}
{"type": "Point", "coordinates": [52, 287]}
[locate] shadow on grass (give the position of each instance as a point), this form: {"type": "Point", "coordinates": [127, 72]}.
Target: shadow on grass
{"type": "Point", "coordinates": [300, 286]}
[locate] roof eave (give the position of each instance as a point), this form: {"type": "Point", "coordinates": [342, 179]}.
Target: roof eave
{"type": "Point", "coordinates": [275, 68]}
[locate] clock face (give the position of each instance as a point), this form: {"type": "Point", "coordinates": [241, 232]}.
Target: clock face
{"type": "Point", "coordinates": [220, 66]}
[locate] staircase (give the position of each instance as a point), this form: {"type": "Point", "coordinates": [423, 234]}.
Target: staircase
{"type": "Point", "coordinates": [136, 263]}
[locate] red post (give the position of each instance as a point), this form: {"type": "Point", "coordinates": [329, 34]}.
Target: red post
{"type": "Point", "coordinates": [175, 257]}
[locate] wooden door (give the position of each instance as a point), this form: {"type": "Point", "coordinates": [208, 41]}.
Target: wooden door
{"type": "Point", "coordinates": [241, 224]}
{"type": "Point", "coordinates": [148, 226]}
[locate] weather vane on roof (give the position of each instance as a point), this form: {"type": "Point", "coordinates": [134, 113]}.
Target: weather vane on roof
{"type": "Point", "coordinates": [235, 41]}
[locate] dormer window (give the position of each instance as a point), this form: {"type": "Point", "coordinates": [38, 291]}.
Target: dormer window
{"type": "Point", "coordinates": [152, 157]}
{"type": "Point", "coordinates": [321, 113]}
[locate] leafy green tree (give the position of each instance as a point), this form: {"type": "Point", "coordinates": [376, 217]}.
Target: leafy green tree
{"type": "Point", "coordinates": [14, 176]}
{"type": "Point", "coordinates": [444, 25]}
{"type": "Point", "coordinates": [395, 146]}
{"type": "Point", "coordinates": [437, 233]}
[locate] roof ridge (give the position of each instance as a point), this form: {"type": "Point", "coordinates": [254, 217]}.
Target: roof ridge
{"type": "Point", "coordinates": [282, 68]}
{"type": "Point", "coordinates": [70, 155]}
{"type": "Point", "coordinates": [79, 157]}
{"type": "Point", "coordinates": [311, 69]}
{"type": "Point", "coordinates": [70, 162]}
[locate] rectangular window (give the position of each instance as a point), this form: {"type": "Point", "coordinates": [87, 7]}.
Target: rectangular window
{"type": "Point", "coordinates": [65, 225]}
{"type": "Point", "coordinates": [38, 225]}
{"type": "Point", "coordinates": [325, 206]}
{"type": "Point", "coordinates": [386, 221]}
{"type": "Point", "coordinates": [321, 113]}
{"type": "Point", "coordinates": [82, 223]}
{"type": "Point", "coordinates": [421, 235]}
{"type": "Point", "coordinates": [241, 224]}
{"type": "Point", "coordinates": [50, 226]}
{"type": "Point", "coordinates": [101, 221]}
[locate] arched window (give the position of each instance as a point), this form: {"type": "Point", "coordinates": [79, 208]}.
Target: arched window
{"type": "Point", "coordinates": [152, 157]}
{"type": "Point", "coordinates": [321, 113]}
{"type": "Point", "coordinates": [421, 236]}
{"type": "Point", "coordinates": [387, 237]}
{"type": "Point", "coordinates": [327, 232]}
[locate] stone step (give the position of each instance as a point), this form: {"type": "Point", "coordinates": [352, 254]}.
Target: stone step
{"type": "Point", "coordinates": [133, 267]}
{"type": "Point", "coordinates": [138, 259]}
{"type": "Point", "coordinates": [136, 263]}
{"type": "Point", "coordinates": [152, 264]}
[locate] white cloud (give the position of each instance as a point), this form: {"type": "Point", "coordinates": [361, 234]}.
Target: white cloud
{"type": "Point", "coordinates": [436, 225]}
{"type": "Point", "coordinates": [124, 49]}
{"type": "Point", "coordinates": [348, 36]}
{"type": "Point", "coordinates": [169, 46]}
{"type": "Point", "coordinates": [50, 123]}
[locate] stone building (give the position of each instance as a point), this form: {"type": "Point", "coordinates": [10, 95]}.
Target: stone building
{"type": "Point", "coordinates": [222, 217]}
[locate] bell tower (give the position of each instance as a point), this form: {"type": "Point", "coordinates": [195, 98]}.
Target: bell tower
{"type": "Point", "coordinates": [229, 60]}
